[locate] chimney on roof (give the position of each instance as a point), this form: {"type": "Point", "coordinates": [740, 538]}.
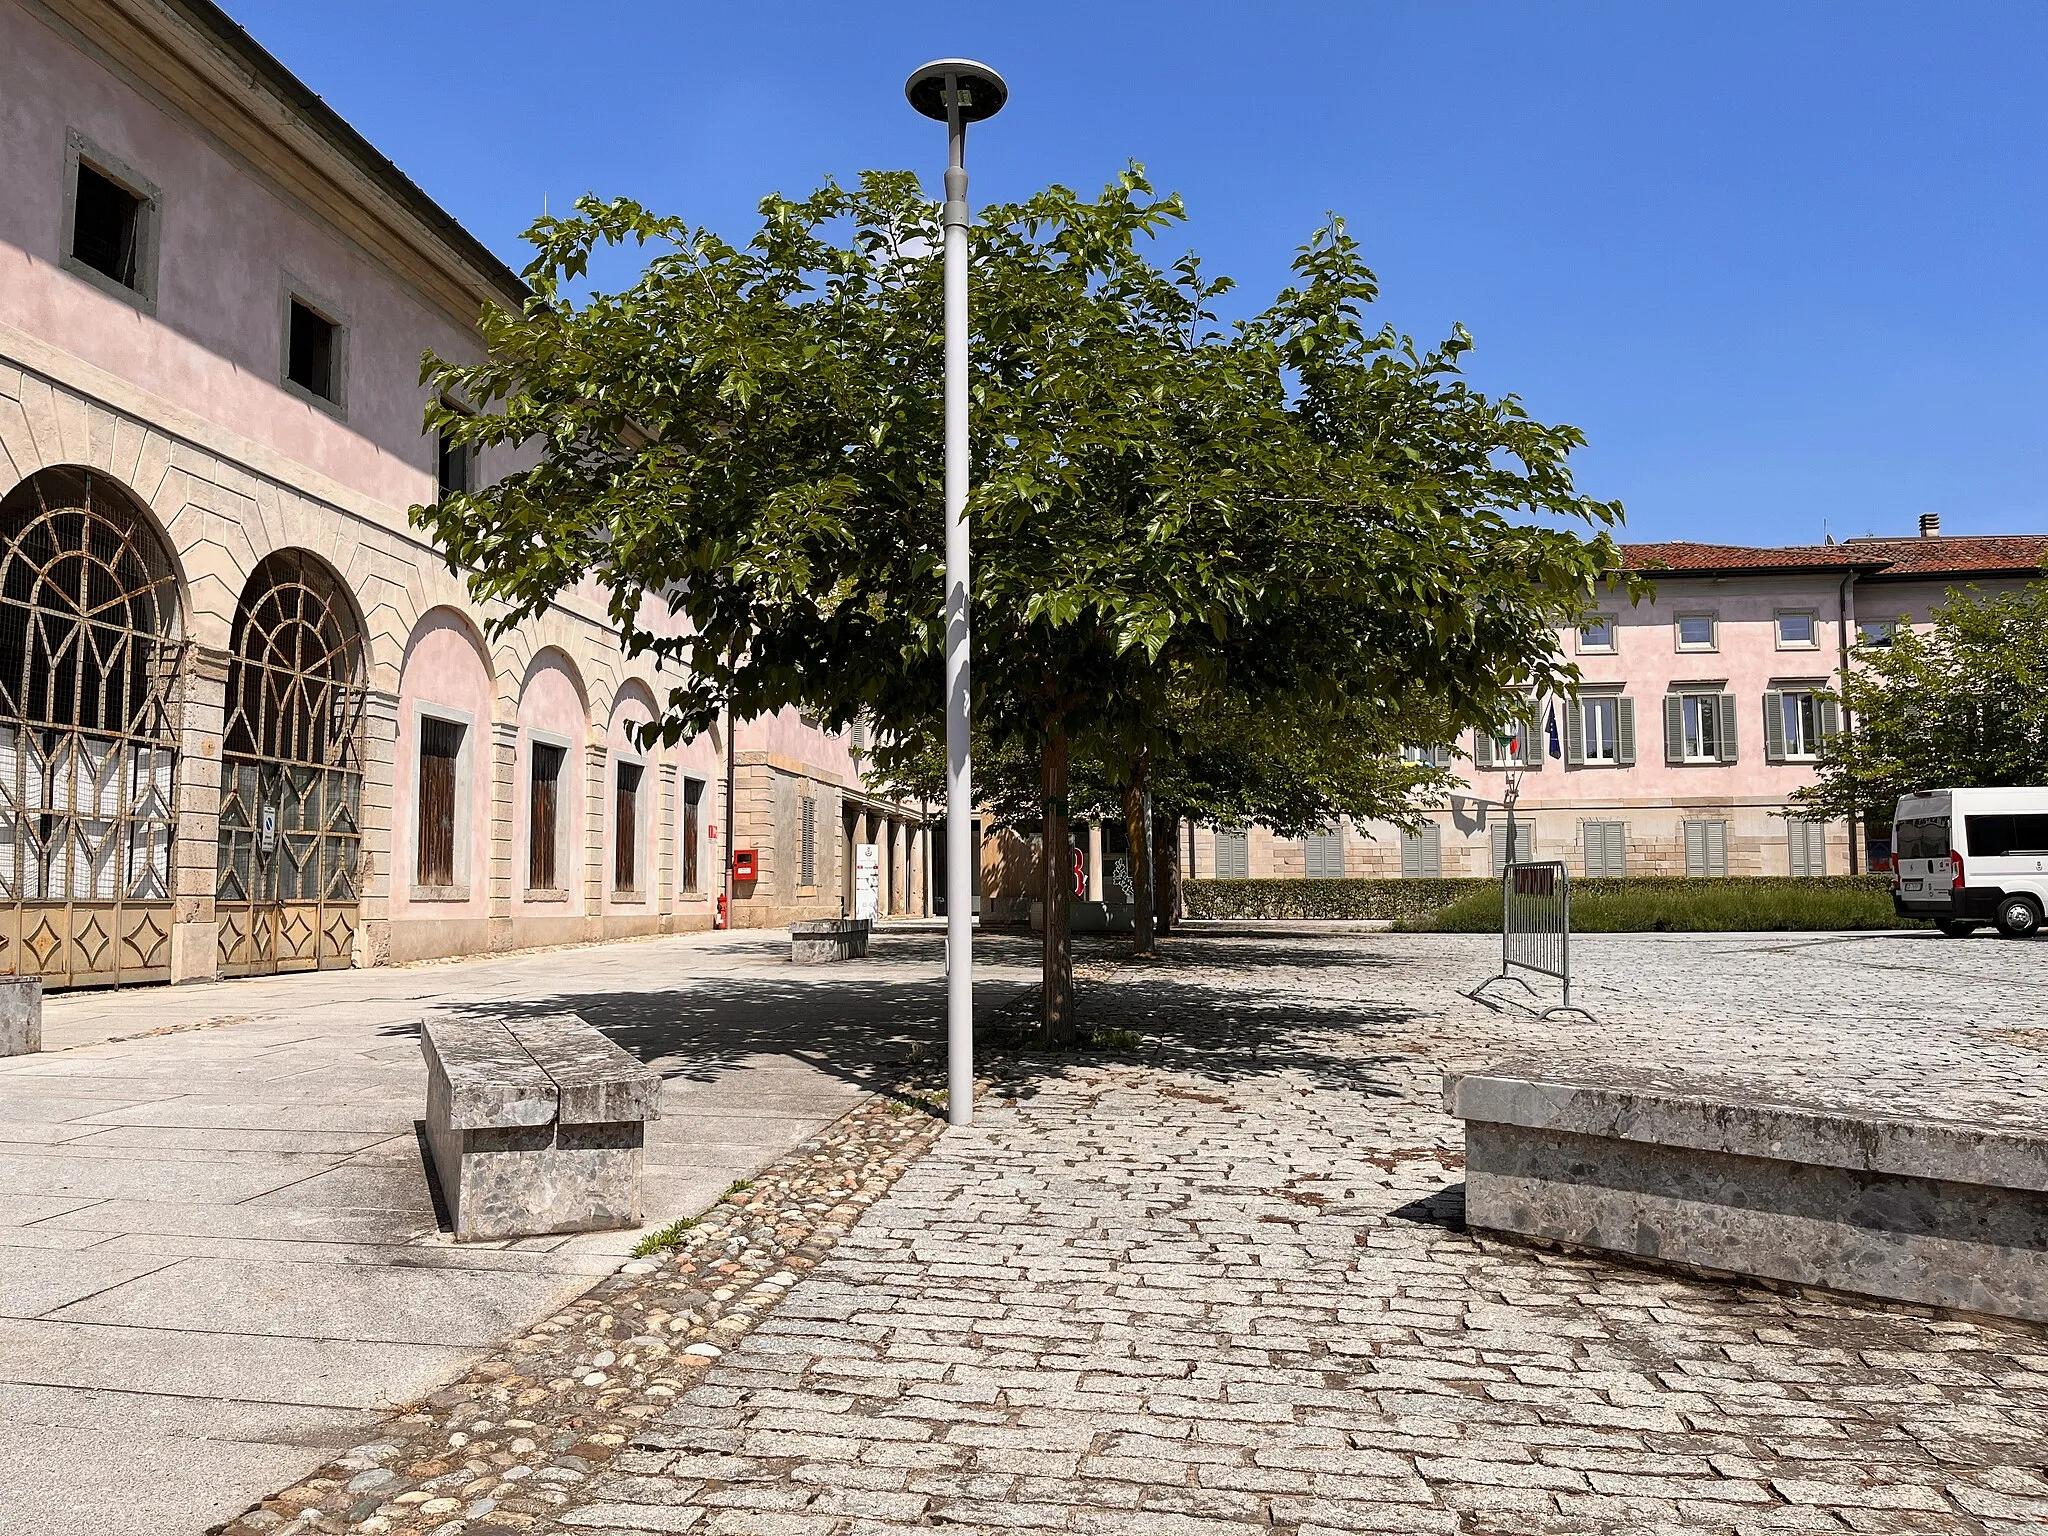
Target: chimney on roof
{"type": "Point", "coordinates": [1930, 525]}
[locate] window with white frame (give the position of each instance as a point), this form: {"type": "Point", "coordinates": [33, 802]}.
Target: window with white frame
{"type": "Point", "coordinates": [1512, 745]}
{"type": "Point", "coordinates": [1876, 633]}
{"type": "Point", "coordinates": [1596, 635]}
{"type": "Point", "coordinates": [1699, 727]}
{"type": "Point", "coordinates": [1798, 630]}
{"type": "Point", "coordinates": [1797, 723]}
{"type": "Point", "coordinates": [1601, 731]}
{"type": "Point", "coordinates": [1697, 632]}
{"type": "Point", "coordinates": [1432, 757]}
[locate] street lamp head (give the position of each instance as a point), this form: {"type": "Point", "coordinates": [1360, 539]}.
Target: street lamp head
{"type": "Point", "coordinates": [982, 91]}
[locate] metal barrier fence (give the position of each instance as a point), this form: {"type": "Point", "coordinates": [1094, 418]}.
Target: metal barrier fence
{"type": "Point", "coordinates": [1536, 928]}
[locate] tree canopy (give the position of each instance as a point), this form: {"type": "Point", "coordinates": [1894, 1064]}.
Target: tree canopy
{"type": "Point", "coordinates": [1197, 544]}
{"type": "Point", "coordinates": [1962, 705]}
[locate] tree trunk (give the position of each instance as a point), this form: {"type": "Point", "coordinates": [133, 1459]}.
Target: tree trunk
{"type": "Point", "coordinates": [1056, 1008]}
{"type": "Point", "coordinates": [1165, 872]}
{"type": "Point", "coordinates": [1138, 838]}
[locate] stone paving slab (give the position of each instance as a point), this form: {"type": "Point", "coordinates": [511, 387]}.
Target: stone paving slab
{"type": "Point", "coordinates": [236, 1168]}
{"type": "Point", "coordinates": [1229, 1289]}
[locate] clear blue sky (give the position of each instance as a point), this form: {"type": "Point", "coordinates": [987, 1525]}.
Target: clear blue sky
{"type": "Point", "coordinates": [1784, 264]}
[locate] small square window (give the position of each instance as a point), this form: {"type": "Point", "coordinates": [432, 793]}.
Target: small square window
{"type": "Point", "coordinates": [1696, 632]}
{"type": "Point", "coordinates": [310, 351]}
{"type": "Point", "coordinates": [1876, 633]}
{"type": "Point", "coordinates": [1797, 630]}
{"type": "Point", "coordinates": [106, 226]}
{"type": "Point", "coordinates": [1597, 635]}
{"type": "Point", "coordinates": [454, 463]}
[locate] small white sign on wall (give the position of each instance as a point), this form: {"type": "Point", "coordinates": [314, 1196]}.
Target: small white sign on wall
{"type": "Point", "coordinates": [266, 833]}
{"type": "Point", "coordinates": [867, 879]}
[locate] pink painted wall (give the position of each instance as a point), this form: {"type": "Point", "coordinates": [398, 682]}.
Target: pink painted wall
{"type": "Point", "coordinates": [225, 244]}
{"type": "Point", "coordinates": [444, 666]}
{"type": "Point", "coordinates": [551, 701]}
{"type": "Point", "coordinates": [784, 734]}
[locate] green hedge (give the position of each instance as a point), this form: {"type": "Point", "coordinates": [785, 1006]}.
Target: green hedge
{"type": "Point", "coordinates": [1643, 902]}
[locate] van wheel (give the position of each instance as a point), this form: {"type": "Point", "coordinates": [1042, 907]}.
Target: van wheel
{"type": "Point", "coordinates": [1957, 928]}
{"type": "Point", "coordinates": [2018, 918]}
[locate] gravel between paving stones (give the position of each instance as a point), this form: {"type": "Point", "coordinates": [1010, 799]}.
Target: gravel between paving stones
{"type": "Point", "coordinates": [508, 1445]}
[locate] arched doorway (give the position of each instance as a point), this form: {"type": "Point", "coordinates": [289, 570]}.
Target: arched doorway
{"type": "Point", "coordinates": [291, 797]}
{"type": "Point", "coordinates": [89, 663]}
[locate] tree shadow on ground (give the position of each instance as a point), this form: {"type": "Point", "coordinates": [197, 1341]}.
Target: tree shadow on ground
{"type": "Point", "coordinates": [869, 1025]}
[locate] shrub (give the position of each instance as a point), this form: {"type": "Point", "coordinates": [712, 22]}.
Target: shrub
{"type": "Point", "coordinates": [1738, 904]}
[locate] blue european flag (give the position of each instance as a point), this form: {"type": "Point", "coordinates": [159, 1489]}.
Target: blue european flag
{"type": "Point", "coordinates": [1555, 749]}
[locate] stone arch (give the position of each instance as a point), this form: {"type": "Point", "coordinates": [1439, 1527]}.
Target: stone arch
{"type": "Point", "coordinates": [91, 663]}
{"type": "Point", "coordinates": [293, 741]}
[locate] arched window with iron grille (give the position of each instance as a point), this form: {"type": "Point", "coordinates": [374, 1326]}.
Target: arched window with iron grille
{"type": "Point", "coordinates": [90, 658]}
{"type": "Point", "coordinates": [291, 772]}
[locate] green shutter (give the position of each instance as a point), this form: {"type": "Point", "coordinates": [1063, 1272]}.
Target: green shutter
{"type": "Point", "coordinates": [1625, 732]}
{"type": "Point", "coordinates": [1532, 740]}
{"type": "Point", "coordinates": [1774, 727]}
{"type": "Point", "coordinates": [1575, 731]}
{"type": "Point", "coordinates": [1674, 728]}
{"type": "Point", "coordinates": [1830, 721]}
{"type": "Point", "coordinates": [1482, 749]}
{"type": "Point", "coordinates": [1725, 706]}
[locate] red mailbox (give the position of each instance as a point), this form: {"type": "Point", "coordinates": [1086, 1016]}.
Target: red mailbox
{"type": "Point", "coordinates": [746, 864]}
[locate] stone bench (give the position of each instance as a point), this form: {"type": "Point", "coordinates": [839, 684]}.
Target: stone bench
{"type": "Point", "coordinates": [1761, 1180]}
{"type": "Point", "coordinates": [819, 941]}
{"type": "Point", "coordinates": [21, 1015]}
{"type": "Point", "coordinates": [536, 1125]}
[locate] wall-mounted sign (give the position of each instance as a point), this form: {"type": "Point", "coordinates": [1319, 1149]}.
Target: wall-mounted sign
{"type": "Point", "coordinates": [266, 833]}
{"type": "Point", "coordinates": [867, 879]}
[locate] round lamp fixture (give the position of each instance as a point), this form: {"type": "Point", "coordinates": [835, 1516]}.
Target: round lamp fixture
{"type": "Point", "coordinates": [982, 91]}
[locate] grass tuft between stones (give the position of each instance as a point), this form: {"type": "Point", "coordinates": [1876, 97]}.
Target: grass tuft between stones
{"type": "Point", "coordinates": [670, 1236]}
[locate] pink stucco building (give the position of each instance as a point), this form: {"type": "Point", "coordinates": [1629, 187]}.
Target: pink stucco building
{"type": "Point", "coordinates": [249, 721]}
{"type": "Point", "coordinates": [1696, 719]}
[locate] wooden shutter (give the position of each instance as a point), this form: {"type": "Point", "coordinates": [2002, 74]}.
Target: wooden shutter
{"type": "Point", "coordinates": [1533, 738]}
{"type": "Point", "coordinates": [1323, 855]}
{"type": "Point", "coordinates": [1830, 722]}
{"type": "Point", "coordinates": [693, 830]}
{"type": "Point", "coordinates": [1422, 854]}
{"type": "Point", "coordinates": [1717, 849]}
{"type": "Point", "coordinates": [1706, 849]}
{"type": "Point", "coordinates": [1724, 706]}
{"type": "Point", "coordinates": [1233, 856]}
{"type": "Point", "coordinates": [626, 830]}
{"type": "Point", "coordinates": [440, 748]}
{"type": "Point", "coordinates": [1482, 749]}
{"type": "Point", "coordinates": [1625, 733]}
{"type": "Point", "coordinates": [808, 874]}
{"type": "Point", "coordinates": [1500, 847]}
{"type": "Point", "coordinates": [1674, 728]}
{"type": "Point", "coordinates": [1774, 727]}
{"type": "Point", "coordinates": [1575, 731]}
{"type": "Point", "coordinates": [543, 819]}
{"type": "Point", "coordinates": [1592, 835]}
{"type": "Point", "coordinates": [1617, 849]}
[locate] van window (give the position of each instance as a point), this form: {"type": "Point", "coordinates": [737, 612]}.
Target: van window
{"type": "Point", "coordinates": [1923, 839]}
{"type": "Point", "coordinates": [1995, 836]}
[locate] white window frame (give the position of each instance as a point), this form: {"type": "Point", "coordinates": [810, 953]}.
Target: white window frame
{"type": "Point", "coordinates": [1591, 708]}
{"type": "Point", "coordinates": [1696, 712]}
{"type": "Point", "coordinates": [1889, 629]}
{"type": "Point", "coordinates": [1801, 706]}
{"type": "Point", "coordinates": [1711, 643]}
{"type": "Point", "coordinates": [1592, 648]}
{"type": "Point", "coordinates": [1812, 617]}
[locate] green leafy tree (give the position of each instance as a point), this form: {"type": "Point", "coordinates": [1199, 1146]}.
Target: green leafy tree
{"type": "Point", "coordinates": [1297, 512]}
{"type": "Point", "coordinates": [1961, 705]}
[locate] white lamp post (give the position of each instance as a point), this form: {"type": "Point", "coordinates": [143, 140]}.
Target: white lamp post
{"type": "Point", "coordinates": [957, 92]}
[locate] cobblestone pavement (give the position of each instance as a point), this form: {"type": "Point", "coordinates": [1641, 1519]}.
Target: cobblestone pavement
{"type": "Point", "coordinates": [1225, 1287]}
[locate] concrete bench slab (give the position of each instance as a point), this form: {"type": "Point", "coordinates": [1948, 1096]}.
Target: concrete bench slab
{"type": "Point", "coordinates": [21, 1015]}
{"type": "Point", "coordinates": [1748, 1178]}
{"type": "Point", "coordinates": [821, 940]}
{"type": "Point", "coordinates": [536, 1125]}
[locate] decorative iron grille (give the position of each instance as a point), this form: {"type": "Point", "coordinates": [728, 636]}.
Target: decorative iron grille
{"type": "Point", "coordinates": [291, 773]}
{"type": "Point", "coordinates": [89, 665]}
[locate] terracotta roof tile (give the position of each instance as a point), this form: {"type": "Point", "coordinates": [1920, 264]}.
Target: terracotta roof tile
{"type": "Point", "coordinates": [1949, 555]}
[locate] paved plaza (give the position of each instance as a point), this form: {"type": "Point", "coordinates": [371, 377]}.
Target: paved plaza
{"type": "Point", "coordinates": [1225, 1287]}
{"type": "Point", "coordinates": [220, 1260]}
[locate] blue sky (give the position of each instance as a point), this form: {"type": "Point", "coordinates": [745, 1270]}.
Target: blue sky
{"type": "Point", "coordinates": [1783, 264]}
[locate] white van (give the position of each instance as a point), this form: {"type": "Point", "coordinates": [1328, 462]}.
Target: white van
{"type": "Point", "coordinates": [1968, 857]}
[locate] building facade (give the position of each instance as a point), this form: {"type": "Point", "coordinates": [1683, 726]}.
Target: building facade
{"type": "Point", "coordinates": [249, 719]}
{"type": "Point", "coordinates": [1698, 715]}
